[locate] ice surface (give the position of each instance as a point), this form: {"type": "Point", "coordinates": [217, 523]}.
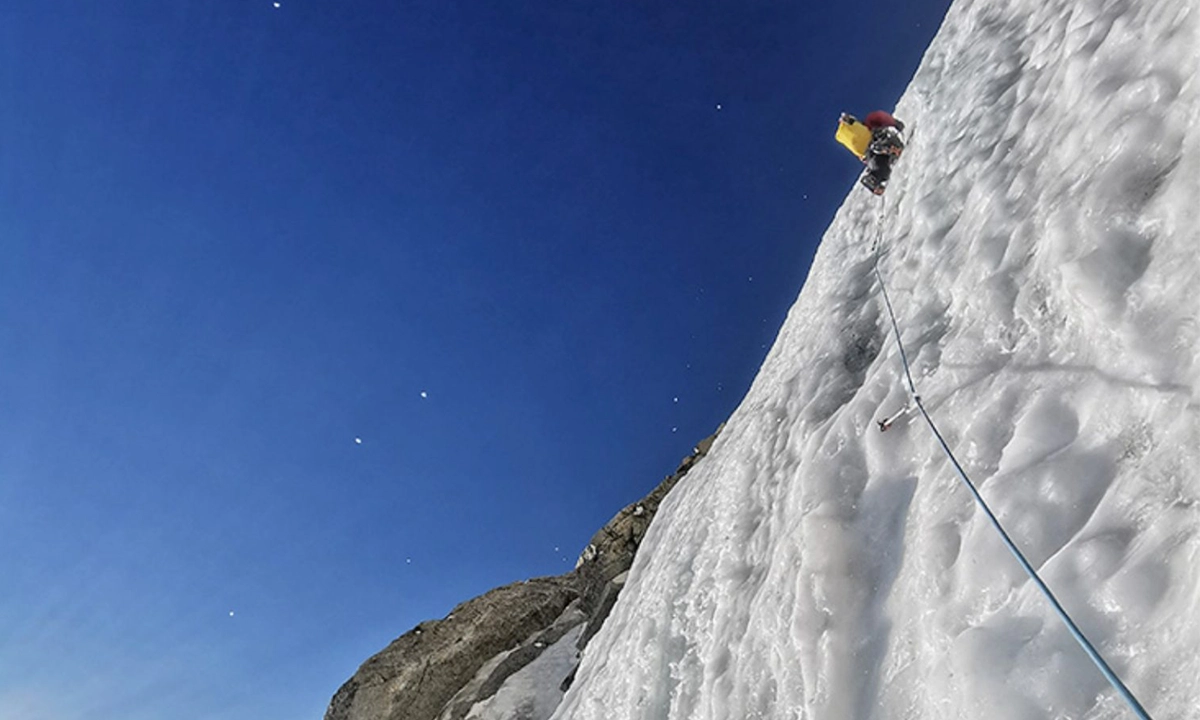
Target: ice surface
{"type": "Point", "coordinates": [1042, 235]}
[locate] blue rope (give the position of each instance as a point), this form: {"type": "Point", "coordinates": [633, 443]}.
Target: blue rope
{"type": "Point", "coordinates": [1033, 575]}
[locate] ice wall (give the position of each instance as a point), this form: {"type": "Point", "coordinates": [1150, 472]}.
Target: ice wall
{"type": "Point", "coordinates": [1040, 243]}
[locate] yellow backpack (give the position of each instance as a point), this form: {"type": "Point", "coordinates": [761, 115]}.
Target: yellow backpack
{"type": "Point", "coordinates": [855, 136]}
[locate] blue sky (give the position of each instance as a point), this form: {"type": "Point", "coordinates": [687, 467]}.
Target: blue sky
{"type": "Point", "coordinates": [527, 253]}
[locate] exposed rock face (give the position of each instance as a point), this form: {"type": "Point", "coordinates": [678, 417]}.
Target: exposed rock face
{"type": "Point", "coordinates": [415, 676]}
{"type": "Point", "coordinates": [610, 553]}
{"type": "Point", "coordinates": [495, 672]}
{"type": "Point", "coordinates": [441, 668]}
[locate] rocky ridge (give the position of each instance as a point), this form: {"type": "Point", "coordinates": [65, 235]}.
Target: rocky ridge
{"type": "Point", "coordinates": [441, 669]}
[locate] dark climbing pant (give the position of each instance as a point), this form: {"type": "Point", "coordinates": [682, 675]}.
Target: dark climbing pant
{"type": "Point", "coordinates": [879, 167]}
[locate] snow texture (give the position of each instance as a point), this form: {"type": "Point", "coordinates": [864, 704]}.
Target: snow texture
{"type": "Point", "coordinates": [532, 692]}
{"type": "Point", "coordinates": [1041, 247]}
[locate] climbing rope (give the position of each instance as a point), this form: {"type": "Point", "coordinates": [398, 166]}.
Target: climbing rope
{"type": "Point", "coordinates": [1029, 570]}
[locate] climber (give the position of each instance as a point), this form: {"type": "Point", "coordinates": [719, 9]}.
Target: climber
{"type": "Point", "coordinates": [876, 141]}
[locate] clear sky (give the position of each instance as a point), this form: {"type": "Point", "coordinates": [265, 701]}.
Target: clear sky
{"type": "Point", "coordinates": [318, 319]}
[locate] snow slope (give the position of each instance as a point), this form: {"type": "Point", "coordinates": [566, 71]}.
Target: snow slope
{"type": "Point", "coordinates": [1042, 253]}
{"type": "Point", "coordinates": [533, 691]}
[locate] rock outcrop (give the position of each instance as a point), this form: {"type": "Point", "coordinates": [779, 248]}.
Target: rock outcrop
{"type": "Point", "coordinates": [415, 676]}
{"type": "Point", "coordinates": [442, 668]}
{"type": "Point", "coordinates": [610, 554]}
